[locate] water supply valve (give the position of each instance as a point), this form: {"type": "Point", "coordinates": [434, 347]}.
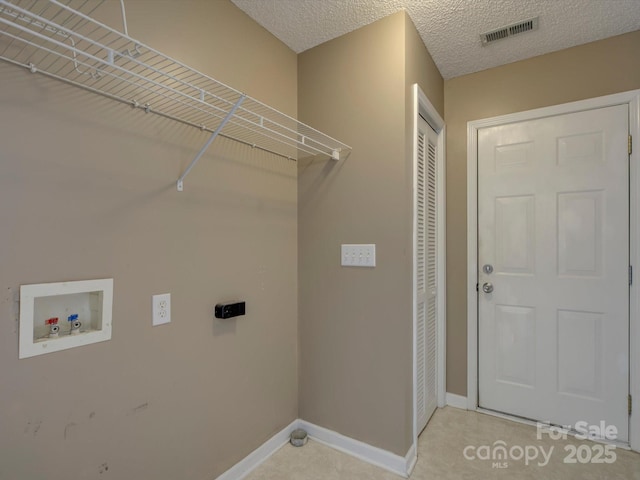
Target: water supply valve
{"type": "Point", "coordinates": [54, 328]}
{"type": "Point", "coordinates": [75, 323]}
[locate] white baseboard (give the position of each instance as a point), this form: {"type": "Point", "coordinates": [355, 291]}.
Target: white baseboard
{"type": "Point", "coordinates": [402, 466]}
{"type": "Point", "coordinates": [457, 401]}
{"type": "Point", "coordinates": [411, 459]}
{"type": "Point", "coordinates": [245, 466]}
{"type": "Point", "coordinates": [365, 452]}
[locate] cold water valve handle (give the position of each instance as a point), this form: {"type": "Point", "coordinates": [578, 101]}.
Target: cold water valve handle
{"type": "Point", "coordinates": [75, 323]}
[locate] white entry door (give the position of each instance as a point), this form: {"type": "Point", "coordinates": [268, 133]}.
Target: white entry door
{"type": "Point", "coordinates": [553, 254]}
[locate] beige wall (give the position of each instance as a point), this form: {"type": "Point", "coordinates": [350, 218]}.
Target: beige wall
{"type": "Point", "coordinates": [420, 68]}
{"type": "Point", "coordinates": [356, 324]}
{"type": "Point", "coordinates": [87, 190]}
{"type": "Point", "coordinates": [586, 71]}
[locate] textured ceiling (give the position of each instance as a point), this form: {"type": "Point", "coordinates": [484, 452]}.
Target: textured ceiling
{"type": "Point", "coordinates": [450, 28]}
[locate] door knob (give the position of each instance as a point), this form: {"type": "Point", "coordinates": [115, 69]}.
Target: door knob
{"type": "Point", "coordinates": [487, 287]}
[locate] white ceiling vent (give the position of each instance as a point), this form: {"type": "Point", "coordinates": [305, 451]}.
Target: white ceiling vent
{"type": "Point", "coordinates": [509, 31]}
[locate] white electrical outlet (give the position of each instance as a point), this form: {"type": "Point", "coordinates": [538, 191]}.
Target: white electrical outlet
{"type": "Point", "coordinates": [161, 309]}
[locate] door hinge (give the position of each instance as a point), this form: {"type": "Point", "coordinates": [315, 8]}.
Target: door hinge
{"type": "Point", "coordinates": [630, 142]}
{"type": "Point", "coordinates": [630, 274]}
{"type": "Point", "coordinates": [630, 403]}
{"type": "Point", "coordinates": [477, 287]}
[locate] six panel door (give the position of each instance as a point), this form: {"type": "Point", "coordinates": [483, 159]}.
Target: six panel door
{"type": "Point", "coordinates": [553, 301]}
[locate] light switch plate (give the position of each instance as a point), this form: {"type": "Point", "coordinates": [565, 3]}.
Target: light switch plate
{"type": "Point", "coordinates": [358, 255]}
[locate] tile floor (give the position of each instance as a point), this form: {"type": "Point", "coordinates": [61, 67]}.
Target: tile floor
{"type": "Point", "coordinates": [440, 456]}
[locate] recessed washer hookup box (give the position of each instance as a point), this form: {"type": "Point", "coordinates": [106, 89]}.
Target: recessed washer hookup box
{"type": "Point", "coordinates": [62, 315]}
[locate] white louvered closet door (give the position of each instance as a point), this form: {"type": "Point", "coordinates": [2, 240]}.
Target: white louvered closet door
{"type": "Point", "coordinates": [426, 264]}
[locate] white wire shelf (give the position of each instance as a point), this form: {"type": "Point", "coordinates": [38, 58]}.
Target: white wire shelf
{"type": "Point", "coordinates": [52, 38]}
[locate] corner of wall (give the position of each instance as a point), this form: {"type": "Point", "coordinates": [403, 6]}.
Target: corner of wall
{"type": "Point", "coordinates": [355, 324]}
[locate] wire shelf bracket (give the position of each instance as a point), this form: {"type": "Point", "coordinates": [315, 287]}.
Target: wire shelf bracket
{"type": "Point", "coordinates": [213, 136]}
{"type": "Point", "coordinates": [64, 40]}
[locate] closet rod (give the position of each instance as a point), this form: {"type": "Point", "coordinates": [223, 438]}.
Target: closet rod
{"type": "Point", "coordinates": [52, 38]}
{"type": "Point", "coordinates": [113, 54]}
{"type": "Point", "coordinates": [31, 68]}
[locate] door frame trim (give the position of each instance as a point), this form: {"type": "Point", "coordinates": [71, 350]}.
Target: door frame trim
{"type": "Point", "coordinates": [423, 107]}
{"type": "Point", "coordinates": [632, 99]}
